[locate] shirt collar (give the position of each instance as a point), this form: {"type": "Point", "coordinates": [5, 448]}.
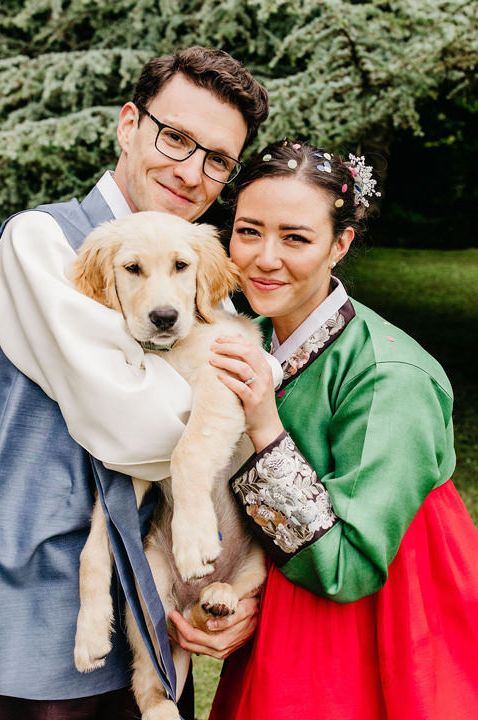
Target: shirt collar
{"type": "Point", "coordinates": [317, 317]}
{"type": "Point", "coordinates": [112, 195]}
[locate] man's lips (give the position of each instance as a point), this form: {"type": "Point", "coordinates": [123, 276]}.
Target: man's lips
{"type": "Point", "coordinates": [266, 284]}
{"type": "Point", "coordinates": [177, 195]}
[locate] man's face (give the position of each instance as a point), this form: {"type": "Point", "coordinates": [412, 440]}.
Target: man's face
{"type": "Point", "coordinates": [150, 180]}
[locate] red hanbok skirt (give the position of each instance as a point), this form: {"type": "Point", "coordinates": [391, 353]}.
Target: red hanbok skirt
{"type": "Point", "coordinates": [407, 652]}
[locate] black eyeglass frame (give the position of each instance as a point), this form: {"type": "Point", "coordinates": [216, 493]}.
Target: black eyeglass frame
{"type": "Point", "coordinates": [160, 125]}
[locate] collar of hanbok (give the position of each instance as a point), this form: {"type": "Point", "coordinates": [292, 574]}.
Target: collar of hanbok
{"type": "Point", "coordinates": [315, 333]}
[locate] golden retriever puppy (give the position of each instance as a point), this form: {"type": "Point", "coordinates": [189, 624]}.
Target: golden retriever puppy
{"type": "Point", "coordinates": [167, 276]}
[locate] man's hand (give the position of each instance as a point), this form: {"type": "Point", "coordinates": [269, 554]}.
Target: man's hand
{"type": "Point", "coordinates": [225, 634]}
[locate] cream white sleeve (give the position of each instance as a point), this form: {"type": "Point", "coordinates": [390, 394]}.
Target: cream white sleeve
{"type": "Point", "coordinates": [127, 408]}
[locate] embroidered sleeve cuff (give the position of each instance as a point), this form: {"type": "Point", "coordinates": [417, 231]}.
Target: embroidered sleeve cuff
{"type": "Point", "coordinates": [287, 506]}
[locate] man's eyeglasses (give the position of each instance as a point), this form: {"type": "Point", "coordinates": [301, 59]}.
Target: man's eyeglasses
{"type": "Point", "coordinates": [176, 145]}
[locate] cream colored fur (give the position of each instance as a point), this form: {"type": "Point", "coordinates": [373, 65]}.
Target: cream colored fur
{"type": "Point", "coordinates": [140, 264]}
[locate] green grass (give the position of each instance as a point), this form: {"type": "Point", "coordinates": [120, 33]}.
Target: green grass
{"type": "Point", "coordinates": [432, 295]}
{"type": "Point", "coordinates": [206, 676]}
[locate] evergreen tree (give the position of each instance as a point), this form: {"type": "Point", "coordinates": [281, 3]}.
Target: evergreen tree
{"type": "Point", "coordinates": [339, 73]}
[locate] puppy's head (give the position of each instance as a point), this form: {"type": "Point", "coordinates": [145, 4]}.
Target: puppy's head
{"type": "Point", "coordinates": [159, 270]}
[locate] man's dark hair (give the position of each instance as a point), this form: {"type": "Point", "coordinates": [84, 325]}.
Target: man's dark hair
{"type": "Point", "coordinates": [214, 70]}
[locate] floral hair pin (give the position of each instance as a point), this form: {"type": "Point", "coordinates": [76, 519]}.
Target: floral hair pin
{"type": "Point", "coordinates": [324, 165]}
{"type": "Point", "coordinates": [364, 183]}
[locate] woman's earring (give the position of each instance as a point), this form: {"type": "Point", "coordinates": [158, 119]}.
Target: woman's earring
{"type": "Point", "coordinates": [333, 265]}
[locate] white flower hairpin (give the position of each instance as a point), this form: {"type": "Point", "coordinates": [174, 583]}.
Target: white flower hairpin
{"type": "Point", "coordinates": [364, 183]}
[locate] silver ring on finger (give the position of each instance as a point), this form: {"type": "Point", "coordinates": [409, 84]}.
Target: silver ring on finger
{"type": "Point", "coordinates": [250, 380]}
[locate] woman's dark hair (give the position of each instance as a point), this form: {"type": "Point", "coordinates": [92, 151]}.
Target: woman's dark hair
{"type": "Point", "coordinates": [317, 168]}
{"type": "Point", "coordinates": [213, 70]}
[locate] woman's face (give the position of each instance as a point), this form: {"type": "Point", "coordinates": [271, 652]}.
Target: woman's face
{"type": "Point", "coordinates": [283, 243]}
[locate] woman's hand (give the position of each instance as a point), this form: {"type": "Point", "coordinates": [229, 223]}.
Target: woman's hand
{"type": "Point", "coordinates": [246, 372]}
{"type": "Point", "coordinates": [225, 634]}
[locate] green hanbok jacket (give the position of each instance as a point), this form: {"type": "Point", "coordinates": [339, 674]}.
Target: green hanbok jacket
{"type": "Point", "coordinates": [368, 420]}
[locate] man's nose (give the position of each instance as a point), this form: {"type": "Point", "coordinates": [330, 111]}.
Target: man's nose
{"type": "Point", "coordinates": [163, 318]}
{"type": "Point", "coordinates": [190, 170]}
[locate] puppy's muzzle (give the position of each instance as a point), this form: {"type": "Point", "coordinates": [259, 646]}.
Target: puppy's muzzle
{"type": "Point", "coordinates": [163, 318]}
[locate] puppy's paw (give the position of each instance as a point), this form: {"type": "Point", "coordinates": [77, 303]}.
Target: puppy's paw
{"type": "Point", "coordinates": [191, 562]}
{"type": "Point", "coordinates": [196, 542]}
{"type": "Point", "coordinates": [219, 600]}
{"type": "Point", "coordinates": [91, 655]}
{"type": "Point", "coordinates": [92, 641]}
{"type": "Point", "coordinates": [164, 710]}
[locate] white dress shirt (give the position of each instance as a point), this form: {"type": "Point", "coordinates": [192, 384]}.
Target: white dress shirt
{"type": "Point", "coordinates": [125, 407]}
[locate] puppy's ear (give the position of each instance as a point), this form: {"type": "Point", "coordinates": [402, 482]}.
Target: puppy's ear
{"type": "Point", "coordinates": [92, 272]}
{"type": "Point", "coordinates": [217, 276]}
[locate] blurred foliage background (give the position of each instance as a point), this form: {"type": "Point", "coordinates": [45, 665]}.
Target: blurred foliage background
{"type": "Point", "coordinates": [396, 80]}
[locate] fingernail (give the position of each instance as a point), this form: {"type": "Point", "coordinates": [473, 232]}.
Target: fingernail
{"type": "Point", "coordinates": [212, 624]}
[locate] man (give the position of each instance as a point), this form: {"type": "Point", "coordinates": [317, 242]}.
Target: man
{"type": "Point", "coordinates": [91, 388]}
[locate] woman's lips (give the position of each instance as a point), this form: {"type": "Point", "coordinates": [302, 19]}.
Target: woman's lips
{"type": "Point", "coordinates": [266, 284]}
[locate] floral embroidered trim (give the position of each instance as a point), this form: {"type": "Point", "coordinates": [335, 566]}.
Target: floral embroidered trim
{"type": "Point", "coordinates": [283, 496]}
{"type": "Point", "coordinates": [313, 344]}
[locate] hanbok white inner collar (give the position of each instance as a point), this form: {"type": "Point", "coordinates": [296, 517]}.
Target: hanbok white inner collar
{"type": "Point", "coordinates": [317, 317]}
{"type": "Point", "coordinates": [112, 195]}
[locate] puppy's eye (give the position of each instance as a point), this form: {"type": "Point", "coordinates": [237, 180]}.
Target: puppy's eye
{"type": "Point", "coordinates": [134, 269]}
{"type": "Point", "coordinates": [180, 265]}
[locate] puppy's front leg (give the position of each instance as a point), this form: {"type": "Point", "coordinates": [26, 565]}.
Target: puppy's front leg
{"type": "Point", "coordinates": [204, 451]}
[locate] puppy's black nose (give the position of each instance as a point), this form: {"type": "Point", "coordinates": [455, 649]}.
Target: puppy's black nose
{"type": "Point", "coordinates": [163, 318]}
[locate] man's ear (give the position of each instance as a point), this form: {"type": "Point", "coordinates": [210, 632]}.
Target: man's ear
{"type": "Point", "coordinates": [93, 272]}
{"type": "Point", "coordinates": [217, 276]}
{"type": "Point", "coordinates": [127, 125]}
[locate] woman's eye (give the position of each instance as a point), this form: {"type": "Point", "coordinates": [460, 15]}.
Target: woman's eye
{"type": "Point", "coordinates": [180, 265]}
{"type": "Point", "coordinates": [246, 231]}
{"type": "Point", "coordinates": [134, 269]}
{"type": "Point", "coordinates": [298, 239]}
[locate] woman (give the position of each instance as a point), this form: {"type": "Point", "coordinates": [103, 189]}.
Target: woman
{"type": "Point", "coordinates": [371, 604]}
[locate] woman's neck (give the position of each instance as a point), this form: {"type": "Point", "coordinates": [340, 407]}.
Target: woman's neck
{"type": "Point", "coordinates": [285, 325]}
{"type": "Point", "coordinates": [299, 329]}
